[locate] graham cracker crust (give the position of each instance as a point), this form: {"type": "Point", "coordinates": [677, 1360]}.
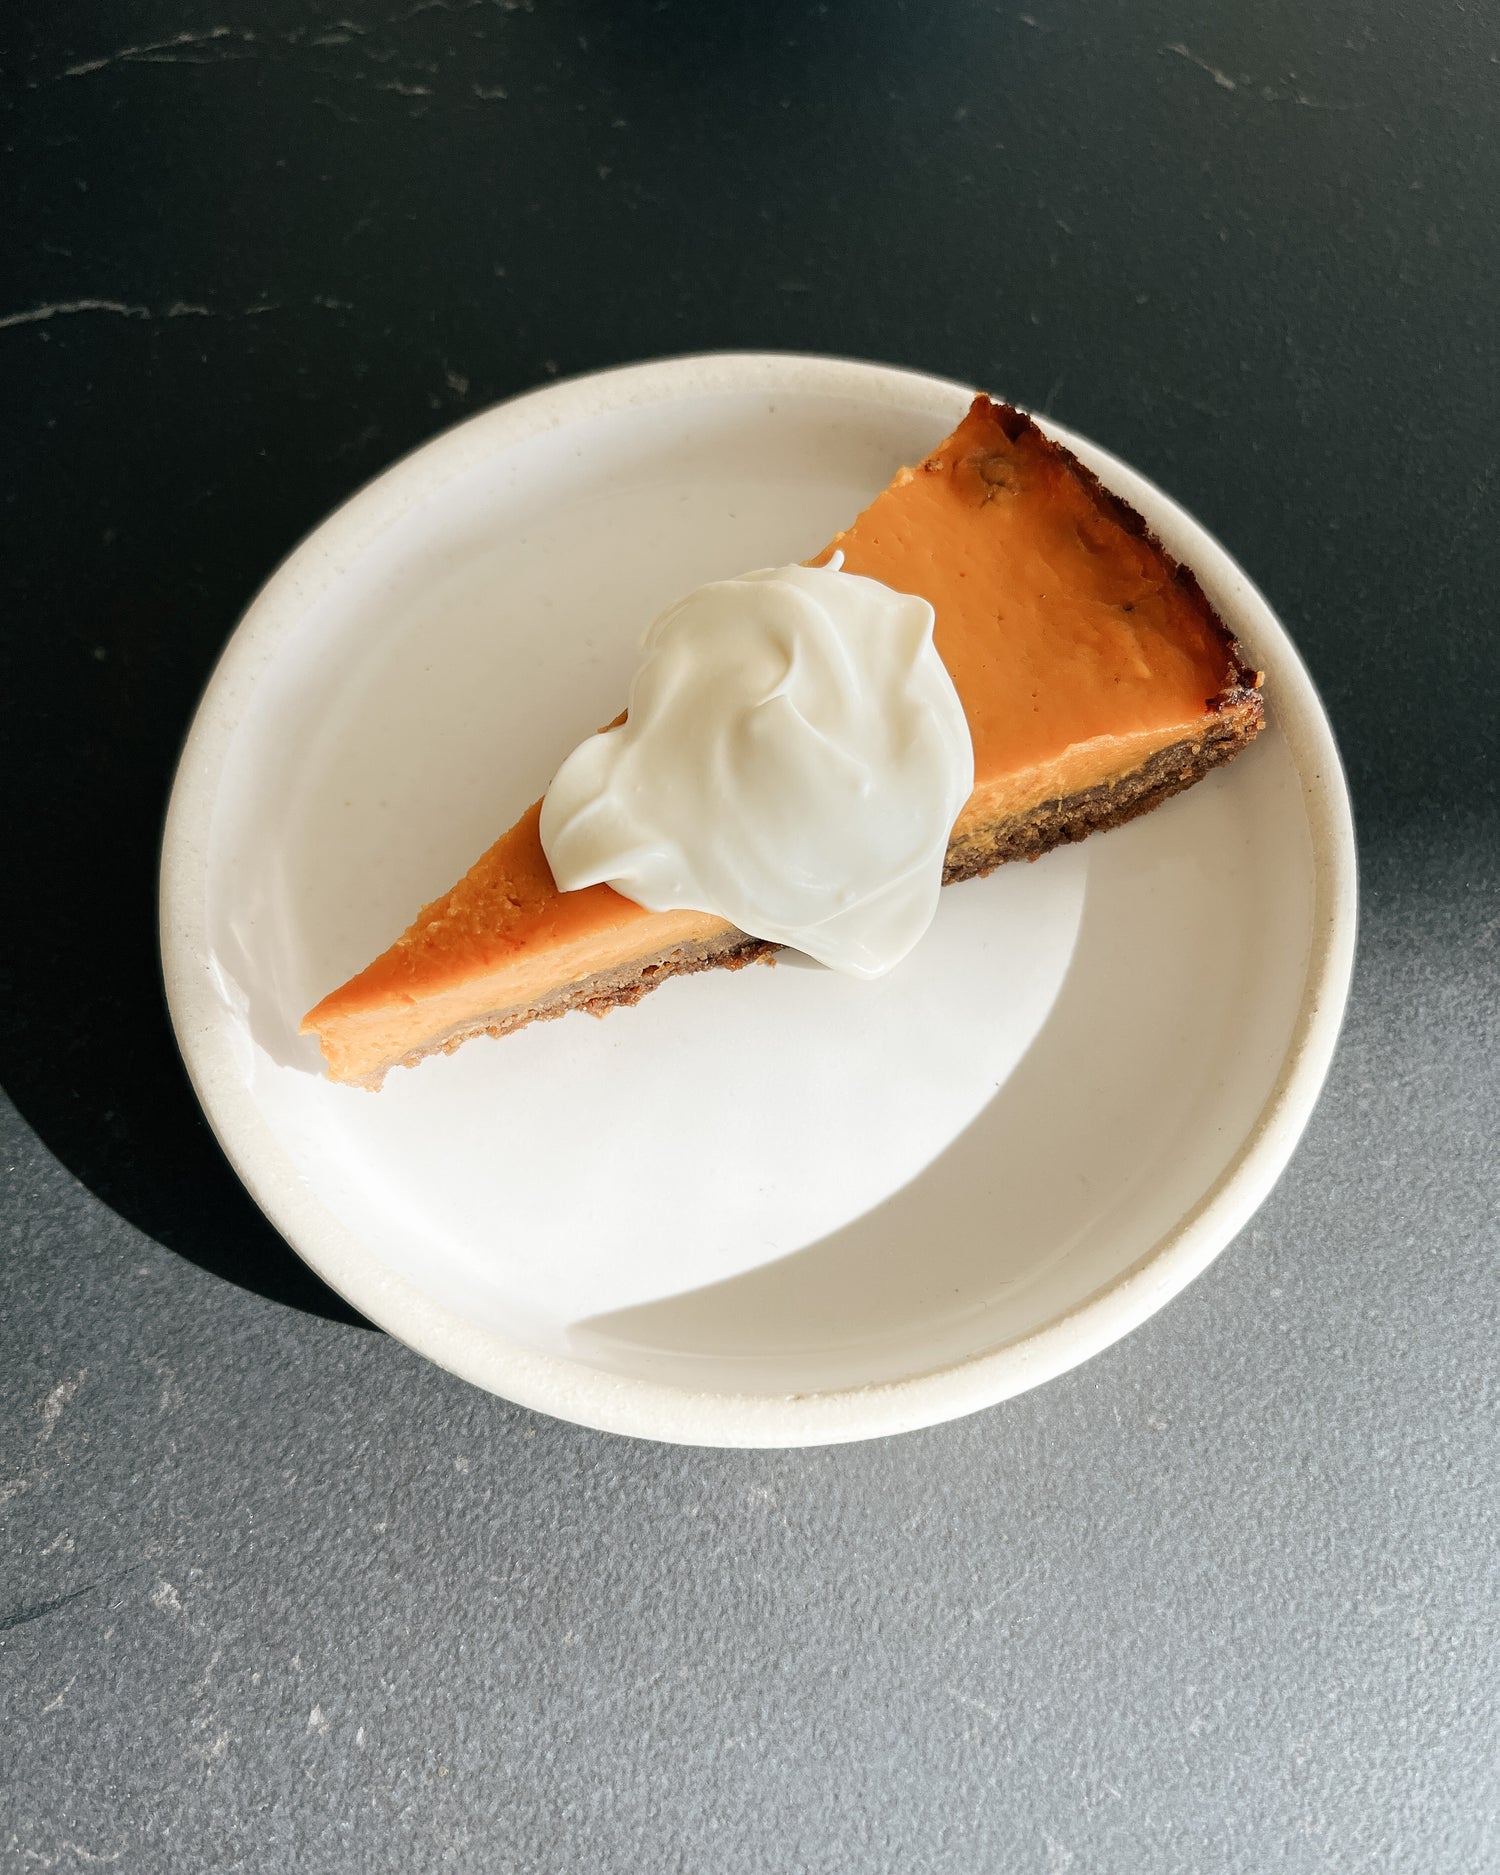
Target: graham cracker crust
{"type": "Point", "coordinates": [1111, 804]}
{"type": "Point", "coordinates": [1023, 836]}
{"type": "Point", "coordinates": [596, 995]}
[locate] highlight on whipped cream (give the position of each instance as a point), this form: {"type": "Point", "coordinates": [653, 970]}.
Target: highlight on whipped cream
{"type": "Point", "coordinates": [793, 761]}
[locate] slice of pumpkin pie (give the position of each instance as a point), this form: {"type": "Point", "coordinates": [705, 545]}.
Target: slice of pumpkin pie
{"type": "Point", "coordinates": [1094, 677]}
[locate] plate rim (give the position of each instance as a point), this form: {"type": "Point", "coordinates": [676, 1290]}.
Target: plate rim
{"type": "Point", "coordinates": [572, 1390]}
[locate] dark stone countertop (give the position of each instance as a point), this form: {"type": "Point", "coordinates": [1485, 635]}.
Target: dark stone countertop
{"type": "Point", "coordinates": [276, 1594]}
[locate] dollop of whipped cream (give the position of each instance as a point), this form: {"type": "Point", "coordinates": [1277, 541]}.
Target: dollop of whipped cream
{"type": "Point", "coordinates": [793, 761]}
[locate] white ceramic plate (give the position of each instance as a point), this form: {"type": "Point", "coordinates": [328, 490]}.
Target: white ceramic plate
{"type": "Point", "coordinates": [767, 1208]}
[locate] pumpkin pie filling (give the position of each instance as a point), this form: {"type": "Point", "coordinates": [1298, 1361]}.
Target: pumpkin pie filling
{"type": "Point", "coordinates": [1095, 678]}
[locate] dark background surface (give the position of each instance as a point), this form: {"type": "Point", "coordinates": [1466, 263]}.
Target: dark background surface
{"type": "Point", "coordinates": [275, 1594]}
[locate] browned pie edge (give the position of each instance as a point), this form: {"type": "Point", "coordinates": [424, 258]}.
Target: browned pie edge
{"type": "Point", "coordinates": [1242, 680]}
{"type": "Point", "coordinates": [1023, 836]}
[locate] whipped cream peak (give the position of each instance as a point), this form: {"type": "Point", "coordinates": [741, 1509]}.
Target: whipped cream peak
{"type": "Point", "coordinates": [793, 761]}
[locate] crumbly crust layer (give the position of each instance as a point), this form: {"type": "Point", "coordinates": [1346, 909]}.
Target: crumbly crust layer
{"type": "Point", "coordinates": [1110, 804]}
{"type": "Point", "coordinates": [1022, 836]}
{"type": "Point", "coordinates": [596, 995]}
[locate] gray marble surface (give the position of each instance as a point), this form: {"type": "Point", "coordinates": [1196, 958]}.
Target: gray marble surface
{"type": "Point", "coordinates": [274, 1594]}
{"type": "Point", "coordinates": [279, 1595]}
